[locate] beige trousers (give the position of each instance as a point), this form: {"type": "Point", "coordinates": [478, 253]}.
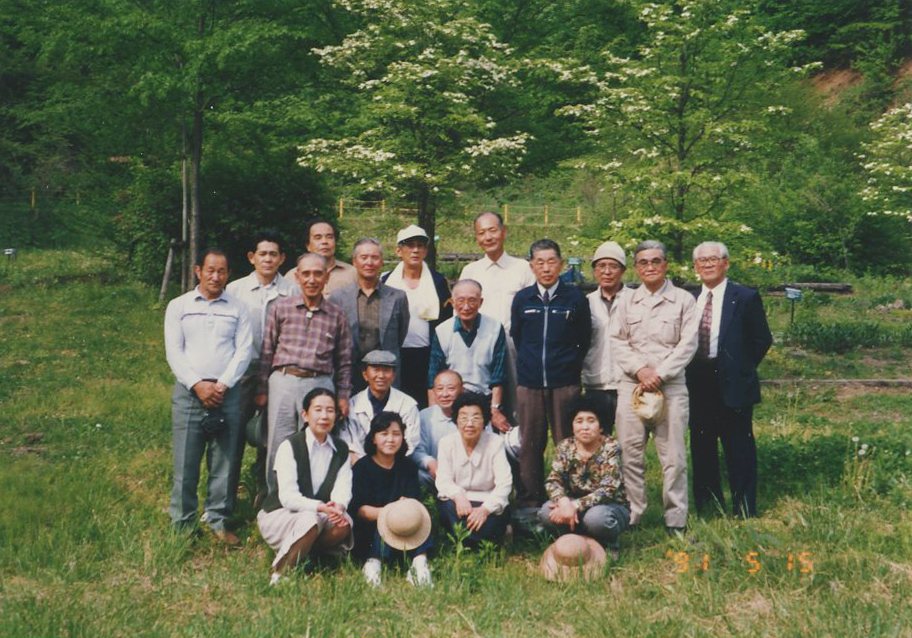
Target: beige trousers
{"type": "Point", "coordinates": [668, 433]}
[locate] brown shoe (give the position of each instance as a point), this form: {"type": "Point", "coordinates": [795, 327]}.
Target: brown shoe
{"type": "Point", "coordinates": [227, 537]}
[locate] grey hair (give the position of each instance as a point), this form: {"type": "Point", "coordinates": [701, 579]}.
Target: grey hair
{"type": "Point", "coordinates": [468, 281]}
{"type": "Point", "coordinates": [500, 221]}
{"type": "Point", "coordinates": [650, 244]}
{"type": "Point", "coordinates": [303, 256]}
{"type": "Point", "coordinates": [717, 245]}
{"type": "Point", "coordinates": [366, 240]}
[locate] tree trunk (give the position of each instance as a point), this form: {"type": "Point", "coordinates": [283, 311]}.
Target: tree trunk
{"type": "Point", "coordinates": [427, 220]}
{"type": "Point", "coordinates": [186, 270]}
{"type": "Point", "coordinates": [196, 152]}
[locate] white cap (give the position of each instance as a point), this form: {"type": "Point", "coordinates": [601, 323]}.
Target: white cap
{"type": "Point", "coordinates": [610, 250]}
{"type": "Point", "coordinates": [410, 232]}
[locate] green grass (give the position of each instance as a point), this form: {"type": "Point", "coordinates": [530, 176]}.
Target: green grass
{"type": "Point", "coordinates": [86, 547]}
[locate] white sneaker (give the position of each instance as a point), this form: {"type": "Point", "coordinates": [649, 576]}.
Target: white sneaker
{"type": "Point", "coordinates": [419, 574]}
{"type": "Point", "coordinates": [277, 578]}
{"type": "Point", "coordinates": [371, 570]}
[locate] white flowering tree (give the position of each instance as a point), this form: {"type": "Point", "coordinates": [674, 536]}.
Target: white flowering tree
{"type": "Point", "coordinates": [676, 125]}
{"type": "Point", "coordinates": [887, 161]}
{"type": "Point", "coordinates": [424, 79]}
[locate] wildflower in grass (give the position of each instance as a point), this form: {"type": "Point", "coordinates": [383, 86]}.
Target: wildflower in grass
{"type": "Point", "coordinates": [855, 439]}
{"type": "Point", "coordinates": [862, 452]}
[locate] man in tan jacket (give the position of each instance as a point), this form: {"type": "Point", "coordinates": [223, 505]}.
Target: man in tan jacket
{"type": "Point", "coordinates": [653, 338]}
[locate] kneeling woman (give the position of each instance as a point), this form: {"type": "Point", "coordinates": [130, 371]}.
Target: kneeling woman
{"type": "Point", "coordinates": [473, 474]}
{"type": "Point", "coordinates": [585, 486]}
{"type": "Point", "coordinates": [314, 480]}
{"type": "Point", "coordinates": [380, 478]}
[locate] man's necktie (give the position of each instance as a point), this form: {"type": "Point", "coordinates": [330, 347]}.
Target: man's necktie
{"type": "Point", "coordinates": [705, 327]}
{"type": "Point", "coordinates": [546, 298]}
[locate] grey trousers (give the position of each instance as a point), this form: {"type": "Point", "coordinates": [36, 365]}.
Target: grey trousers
{"type": "Point", "coordinates": [189, 443]}
{"type": "Point", "coordinates": [283, 413]}
{"type": "Point", "coordinates": [604, 523]}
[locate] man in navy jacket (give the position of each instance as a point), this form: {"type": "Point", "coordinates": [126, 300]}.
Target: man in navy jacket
{"type": "Point", "coordinates": [723, 383]}
{"type": "Point", "coordinates": [551, 327]}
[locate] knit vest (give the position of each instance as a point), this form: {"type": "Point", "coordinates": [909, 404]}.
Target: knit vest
{"type": "Point", "coordinates": [473, 363]}
{"type": "Point", "coordinates": [302, 457]}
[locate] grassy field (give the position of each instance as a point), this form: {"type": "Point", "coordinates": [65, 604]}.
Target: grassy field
{"type": "Point", "coordinates": [86, 547]}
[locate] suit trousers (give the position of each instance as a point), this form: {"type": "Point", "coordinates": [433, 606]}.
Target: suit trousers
{"type": "Point", "coordinates": [712, 421]}
{"type": "Point", "coordinates": [668, 434]}
{"type": "Point", "coordinates": [283, 412]}
{"type": "Point", "coordinates": [535, 409]}
{"type": "Point", "coordinates": [189, 444]}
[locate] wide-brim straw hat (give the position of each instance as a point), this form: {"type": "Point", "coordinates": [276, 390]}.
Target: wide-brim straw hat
{"type": "Point", "coordinates": [404, 524]}
{"type": "Point", "coordinates": [649, 406]}
{"type": "Point", "coordinates": [572, 556]}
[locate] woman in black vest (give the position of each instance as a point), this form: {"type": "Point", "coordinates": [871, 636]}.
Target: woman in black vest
{"type": "Point", "coordinates": [314, 480]}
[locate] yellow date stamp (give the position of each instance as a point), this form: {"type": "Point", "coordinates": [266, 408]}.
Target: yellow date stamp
{"type": "Point", "coordinates": [682, 562]}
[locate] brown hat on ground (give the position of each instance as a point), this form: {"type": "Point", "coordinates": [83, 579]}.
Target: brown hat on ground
{"type": "Point", "coordinates": [404, 524]}
{"type": "Point", "coordinates": [572, 556]}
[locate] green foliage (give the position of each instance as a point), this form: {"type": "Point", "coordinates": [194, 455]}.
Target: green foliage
{"type": "Point", "coordinates": [842, 337]}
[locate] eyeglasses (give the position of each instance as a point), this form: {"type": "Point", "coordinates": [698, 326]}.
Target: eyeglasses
{"type": "Point", "coordinates": [470, 420]}
{"type": "Point", "coordinates": [708, 261]}
{"type": "Point", "coordinates": [610, 266]}
{"type": "Point", "coordinates": [471, 302]}
{"type": "Point", "coordinates": [655, 261]}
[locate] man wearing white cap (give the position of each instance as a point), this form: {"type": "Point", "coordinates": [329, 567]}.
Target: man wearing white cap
{"type": "Point", "coordinates": [601, 373]}
{"type": "Point", "coordinates": [428, 301]}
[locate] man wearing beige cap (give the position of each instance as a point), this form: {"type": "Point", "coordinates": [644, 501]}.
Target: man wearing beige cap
{"type": "Point", "coordinates": [601, 374]}
{"type": "Point", "coordinates": [428, 303]}
{"type": "Point", "coordinates": [653, 338]}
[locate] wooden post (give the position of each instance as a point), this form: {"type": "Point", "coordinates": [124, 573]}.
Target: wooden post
{"type": "Point", "coordinates": [506, 213]}
{"type": "Point", "coordinates": [341, 207]}
{"type": "Point", "coordinates": [168, 263]}
{"type": "Point", "coordinates": [33, 199]}
{"type": "Point", "coordinates": [546, 214]}
{"type": "Point", "coordinates": [579, 215]}
{"type": "Point", "coordinates": [382, 205]}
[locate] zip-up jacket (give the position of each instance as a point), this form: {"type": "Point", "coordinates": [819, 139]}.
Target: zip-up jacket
{"type": "Point", "coordinates": [551, 341]}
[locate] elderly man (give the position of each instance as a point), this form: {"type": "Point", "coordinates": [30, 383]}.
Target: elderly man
{"type": "Point", "coordinates": [474, 345]}
{"type": "Point", "coordinates": [551, 327]}
{"type": "Point", "coordinates": [379, 396]}
{"type": "Point", "coordinates": [501, 276]}
{"type": "Point", "coordinates": [733, 337]}
{"type": "Point", "coordinates": [653, 338]}
{"type": "Point", "coordinates": [322, 238]}
{"type": "Point", "coordinates": [306, 344]}
{"type": "Point", "coordinates": [208, 346]}
{"type": "Point", "coordinates": [378, 315]}
{"type": "Point", "coordinates": [436, 423]}
{"type": "Point", "coordinates": [600, 371]}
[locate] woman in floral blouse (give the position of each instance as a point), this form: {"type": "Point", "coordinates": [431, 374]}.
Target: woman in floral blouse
{"type": "Point", "coordinates": [585, 485]}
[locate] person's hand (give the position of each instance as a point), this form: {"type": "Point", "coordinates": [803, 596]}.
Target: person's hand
{"type": "Point", "coordinates": [260, 400]}
{"type": "Point", "coordinates": [499, 420]}
{"type": "Point", "coordinates": [477, 518]}
{"type": "Point", "coordinates": [432, 468]}
{"type": "Point", "coordinates": [334, 512]}
{"type": "Point", "coordinates": [649, 379]}
{"type": "Point", "coordinates": [343, 407]}
{"type": "Point", "coordinates": [463, 506]}
{"type": "Point", "coordinates": [208, 394]}
{"type": "Point", "coordinates": [564, 513]}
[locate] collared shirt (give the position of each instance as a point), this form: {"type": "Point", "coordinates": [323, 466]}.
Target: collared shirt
{"type": "Point", "coordinates": [207, 339]}
{"type": "Point", "coordinates": [483, 476]}
{"type": "Point", "coordinates": [500, 281]}
{"type": "Point", "coordinates": [656, 330]}
{"type": "Point", "coordinates": [718, 295]}
{"type": "Point", "coordinates": [595, 481]}
{"type": "Point", "coordinates": [434, 426]}
{"type": "Point", "coordinates": [600, 371]}
{"type": "Point", "coordinates": [550, 290]}
{"type": "Point", "coordinates": [340, 275]}
{"type": "Point", "coordinates": [440, 362]}
{"type": "Point", "coordinates": [320, 456]}
{"type": "Point", "coordinates": [257, 297]}
{"type": "Point", "coordinates": [361, 411]}
{"type": "Point", "coordinates": [368, 320]}
{"type": "Point", "coordinates": [316, 340]}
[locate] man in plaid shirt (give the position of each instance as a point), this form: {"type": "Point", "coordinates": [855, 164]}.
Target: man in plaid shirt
{"type": "Point", "coordinates": [306, 344]}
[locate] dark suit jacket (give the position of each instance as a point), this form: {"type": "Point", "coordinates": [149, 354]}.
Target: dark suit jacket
{"type": "Point", "coordinates": [744, 338]}
{"type": "Point", "coordinates": [394, 320]}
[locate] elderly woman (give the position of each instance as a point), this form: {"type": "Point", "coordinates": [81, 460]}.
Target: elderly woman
{"type": "Point", "coordinates": [473, 475]}
{"type": "Point", "coordinates": [314, 482]}
{"type": "Point", "coordinates": [585, 486]}
{"type": "Point", "coordinates": [383, 476]}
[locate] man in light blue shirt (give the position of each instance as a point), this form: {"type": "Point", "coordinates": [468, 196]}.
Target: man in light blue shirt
{"type": "Point", "coordinates": [258, 290]}
{"type": "Point", "coordinates": [436, 423]}
{"type": "Point", "coordinates": [208, 346]}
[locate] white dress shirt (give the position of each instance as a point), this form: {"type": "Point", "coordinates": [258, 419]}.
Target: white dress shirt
{"type": "Point", "coordinates": [484, 476]}
{"type": "Point", "coordinates": [361, 412]}
{"type": "Point", "coordinates": [207, 339]}
{"type": "Point", "coordinates": [718, 295]}
{"type": "Point", "coordinates": [320, 456]}
{"type": "Point", "coordinates": [542, 290]}
{"type": "Point", "coordinates": [500, 281]}
{"type": "Point", "coordinates": [257, 298]}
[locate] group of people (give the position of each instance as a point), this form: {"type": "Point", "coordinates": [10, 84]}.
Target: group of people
{"type": "Point", "coordinates": [362, 389]}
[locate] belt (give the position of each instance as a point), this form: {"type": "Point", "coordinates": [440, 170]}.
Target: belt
{"type": "Point", "coordinates": [295, 371]}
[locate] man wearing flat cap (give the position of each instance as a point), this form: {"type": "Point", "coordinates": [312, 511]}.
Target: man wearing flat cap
{"type": "Point", "coordinates": [601, 373]}
{"type": "Point", "coordinates": [379, 370]}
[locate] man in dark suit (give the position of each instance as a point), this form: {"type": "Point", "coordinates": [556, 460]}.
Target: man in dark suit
{"type": "Point", "coordinates": [723, 383]}
{"type": "Point", "coordinates": [378, 315]}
